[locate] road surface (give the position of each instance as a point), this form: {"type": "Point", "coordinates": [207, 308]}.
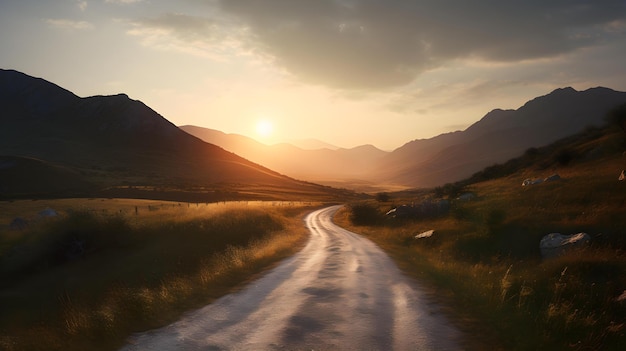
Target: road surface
{"type": "Point", "coordinates": [341, 292]}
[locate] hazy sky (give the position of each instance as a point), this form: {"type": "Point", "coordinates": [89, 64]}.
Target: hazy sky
{"type": "Point", "coordinates": [348, 72]}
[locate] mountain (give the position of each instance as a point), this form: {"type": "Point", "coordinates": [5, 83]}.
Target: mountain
{"type": "Point", "coordinates": [311, 144]}
{"type": "Point", "coordinates": [113, 140]}
{"type": "Point", "coordinates": [497, 137]}
{"type": "Point", "coordinates": [320, 165]}
{"type": "Point", "coordinates": [81, 145]}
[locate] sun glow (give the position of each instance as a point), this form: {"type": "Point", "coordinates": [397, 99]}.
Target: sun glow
{"type": "Point", "coordinates": [264, 128]}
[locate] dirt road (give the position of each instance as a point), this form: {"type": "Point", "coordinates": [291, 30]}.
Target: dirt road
{"type": "Point", "coordinates": [341, 292]}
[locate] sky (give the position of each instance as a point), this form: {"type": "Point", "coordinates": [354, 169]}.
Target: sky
{"type": "Point", "coordinates": [348, 72]}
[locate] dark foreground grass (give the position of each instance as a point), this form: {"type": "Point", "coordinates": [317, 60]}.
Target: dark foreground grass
{"type": "Point", "coordinates": [510, 301]}
{"type": "Point", "coordinates": [88, 280]}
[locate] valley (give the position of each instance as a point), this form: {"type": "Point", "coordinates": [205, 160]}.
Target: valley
{"type": "Point", "coordinates": [152, 221]}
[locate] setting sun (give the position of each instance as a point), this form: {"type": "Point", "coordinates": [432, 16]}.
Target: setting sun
{"type": "Point", "coordinates": [264, 128]}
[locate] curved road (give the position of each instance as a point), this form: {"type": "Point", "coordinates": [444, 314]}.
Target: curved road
{"type": "Point", "coordinates": [341, 292]}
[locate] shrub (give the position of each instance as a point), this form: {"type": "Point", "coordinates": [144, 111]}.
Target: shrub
{"type": "Point", "coordinates": [363, 213]}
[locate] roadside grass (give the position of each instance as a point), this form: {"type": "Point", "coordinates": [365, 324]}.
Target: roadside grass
{"type": "Point", "coordinates": [484, 257]}
{"type": "Point", "coordinates": [89, 278]}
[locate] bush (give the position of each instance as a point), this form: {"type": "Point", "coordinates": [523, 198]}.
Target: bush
{"type": "Point", "coordinates": [363, 213]}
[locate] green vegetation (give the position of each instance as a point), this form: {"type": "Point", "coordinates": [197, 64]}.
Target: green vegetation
{"type": "Point", "coordinates": [103, 269]}
{"type": "Point", "coordinates": [484, 256]}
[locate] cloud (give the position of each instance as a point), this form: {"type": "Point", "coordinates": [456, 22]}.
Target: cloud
{"type": "Point", "coordinates": [185, 27]}
{"type": "Point", "coordinates": [122, 2]}
{"type": "Point", "coordinates": [375, 44]}
{"type": "Point", "coordinates": [69, 24]}
{"type": "Point", "coordinates": [465, 96]}
{"type": "Point", "coordinates": [196, 35]}
{"type": "Point", "coordinates": [82, 5]}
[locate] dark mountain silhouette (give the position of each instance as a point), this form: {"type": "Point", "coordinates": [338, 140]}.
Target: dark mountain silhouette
{"type": "Point", "coordinates": [113, 140]}
{"type": "Point", "coordinates": [318, 165]}
{"type": "Point", "coordinates": [497, 137]}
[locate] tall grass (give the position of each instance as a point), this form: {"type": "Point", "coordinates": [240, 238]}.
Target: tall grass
{"type": "Point", "coordinates": [134, 272]}
{"type": "Point", "coordinates": [484, 259]}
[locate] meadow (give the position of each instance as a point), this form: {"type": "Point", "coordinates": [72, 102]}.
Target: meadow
{"type": "Point", "coordinates": [484, 259]}
{"type": "Point", "coordinates": [102, 269]}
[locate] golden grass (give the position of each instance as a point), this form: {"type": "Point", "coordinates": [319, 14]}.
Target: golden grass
{"type": "Point", "coordinates": [180, 257]}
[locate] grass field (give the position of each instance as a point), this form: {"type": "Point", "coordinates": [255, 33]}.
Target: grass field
{"type": "Point", "coordinates": [484, 256]}
{"type": "Point", "coordinates": [104, 268]}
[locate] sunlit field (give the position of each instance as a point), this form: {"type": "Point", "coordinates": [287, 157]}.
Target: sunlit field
{"type": "Point", "coordinates": [484, 257]}
{"type": "Point", "coordinates": [103, 268]}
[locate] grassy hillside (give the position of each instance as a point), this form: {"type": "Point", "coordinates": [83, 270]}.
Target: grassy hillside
{"type": "Point", "coordinates": [104, 268]}
{"type": "Point", "coordinates": [484, 256]}
{"type": "Point", "coordinates": [497, 137]}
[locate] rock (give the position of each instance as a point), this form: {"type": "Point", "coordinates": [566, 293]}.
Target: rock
{"type": "Point", "coordinates": [552, 178]}
{"type": "Point", "coordinates": [401, 211]}
{"type": "Point", "coordinates": [426, 234]}
{"type": "Point", "coordinates": [555, 244]}
{"type": "Point", "coordinates": [529, 181]}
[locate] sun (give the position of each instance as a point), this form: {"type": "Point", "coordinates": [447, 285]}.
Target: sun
{"type": "Point", "coordinates": [264, 128]}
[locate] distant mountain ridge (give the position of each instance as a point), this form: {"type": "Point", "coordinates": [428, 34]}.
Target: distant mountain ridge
{"type": "Point", "coordinates": [116, 140]}
{"type": "Point", "coordinates": [113, 140]}
{"type": "Point", "coordinates": [313, 165]}
{"type": "Point", "coordinates": [311, 144]}
{"type": "Point", "coordinates": [497, 137]}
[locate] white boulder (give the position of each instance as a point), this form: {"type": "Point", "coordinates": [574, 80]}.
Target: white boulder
{"type": "Point", "coordinates": [426, 234]}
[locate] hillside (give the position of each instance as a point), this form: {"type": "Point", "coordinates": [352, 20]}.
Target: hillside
{"type": "Point", "coordinates": [497, 137]}
{"type": "Point", "coordinates": [113, 141]}
{"type": "Point", "coordinates": [484, 255]}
